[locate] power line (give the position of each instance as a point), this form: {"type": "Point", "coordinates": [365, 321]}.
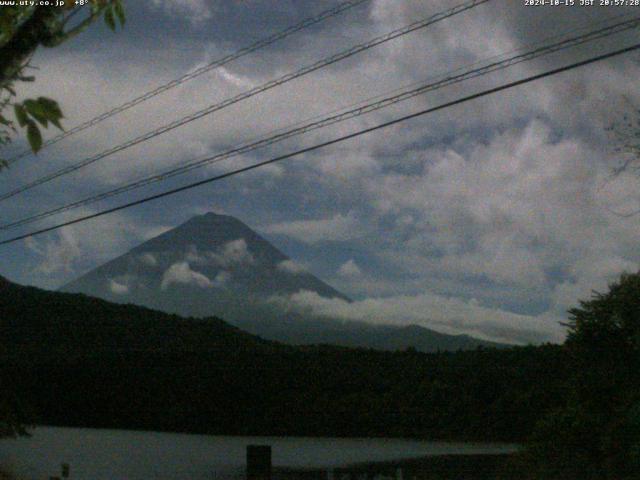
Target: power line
{"type": "Point", "coordinates": [329, 142]}
{"type": "Point", "coordinates": [448, 80]}
{"type": "Point", "coordinates": [306, 23]}
{"type": "Point", "coordinates": [250, 93]}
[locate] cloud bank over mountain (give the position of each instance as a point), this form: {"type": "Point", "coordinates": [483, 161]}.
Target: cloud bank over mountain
{"type": "Point", "coordinates": [507, 200]}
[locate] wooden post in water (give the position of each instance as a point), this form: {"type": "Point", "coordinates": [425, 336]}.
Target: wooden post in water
{"type": "Point", "coordinates": [258, 462]}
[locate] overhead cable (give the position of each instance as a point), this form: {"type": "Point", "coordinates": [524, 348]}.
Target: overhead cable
{"type": "Point", "coordinates": [248, 94]}
{"type": "Point", "coordinates": [219, 62]}
{"type": "Point", "coordinates": [448, 80]}
{"type": "Point", "coordinates": [327, 143]}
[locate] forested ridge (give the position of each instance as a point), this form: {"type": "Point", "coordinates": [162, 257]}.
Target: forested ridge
{"type": "Point", "coordinates": [73, 360]}
{"type": "Point", "coordinates": [81, 361]}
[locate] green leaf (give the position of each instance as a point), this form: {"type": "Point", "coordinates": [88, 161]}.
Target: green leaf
{"type": "Point", "coordinates": [34, 136]}
{"type": "Point", "coordinates": [7, 27]}
{"type": "Point", "coordinates": [31, 104]}
{"type": "Point", "coordinates": [21, 114]}
{"type": "Point", "coordinates": [119, 10]}
{"type": "Point", "coordinates": [109, 19]}
{"type": "Point", "coordinates": [49, 103]}
{"type": "Point", "coordinates": [96, 6]}
{"type": "Point", "coordinates": [35, 109]}
{"type": "Point", "coordinates": [57, 123]}
{"type": "Point", "coordinates": [51, 110]}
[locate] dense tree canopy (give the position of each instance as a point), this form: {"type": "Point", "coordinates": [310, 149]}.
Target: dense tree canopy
{"type": "Point", "coordinates": [105, 365]}
{"type": "Point", "coordinates": [596, 435]}
{"type": "Point", "coordinates": [575, 406]}
{"type": "Point", "coordinates": [23, 29]}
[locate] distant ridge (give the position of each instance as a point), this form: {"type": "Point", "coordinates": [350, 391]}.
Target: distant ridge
{"type": "Point", "coordinates": [215, 265]}
{"type": "Point", "coordinates": [78, 361]}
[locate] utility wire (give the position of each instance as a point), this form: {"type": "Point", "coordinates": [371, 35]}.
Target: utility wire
{"type": "Point", "coordinates": [250, 93]}
{"type": "Point", "coordinates": [340, 117]}
{"type": "Point", "coordinates": [330, 142]}
{"type": "Point", "coordinates": [306, 23]}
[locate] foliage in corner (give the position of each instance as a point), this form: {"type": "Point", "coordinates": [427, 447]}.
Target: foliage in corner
{"type": "Point", "coordinates": [596, 435]}
{"type": "Point", "coordinates": [22, 30]}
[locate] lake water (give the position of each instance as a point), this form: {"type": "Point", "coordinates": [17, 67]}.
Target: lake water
{"type": "Point", "coordinates": [131, 455]}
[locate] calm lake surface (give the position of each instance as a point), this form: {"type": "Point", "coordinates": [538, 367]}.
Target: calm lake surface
{"type": "Point", "coordinates": [120, 454]}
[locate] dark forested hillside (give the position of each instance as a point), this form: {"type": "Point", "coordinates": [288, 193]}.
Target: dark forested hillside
{"type": "Point", "coordinates": [76, 360]}
{"type": "Point", "coordinates": [595, 435]}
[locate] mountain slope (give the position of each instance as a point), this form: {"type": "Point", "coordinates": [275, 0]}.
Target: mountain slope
{"type": "Point", "coordinates": [54, 323]}
{"type": "Point", "coordinates": [73, 360]}
{"type": "Point", "coordinates": [297, 330]}
{"type": "Point", "coordinates": [200, 268]}
{"type": "Point", "coordinates": [215, 265]}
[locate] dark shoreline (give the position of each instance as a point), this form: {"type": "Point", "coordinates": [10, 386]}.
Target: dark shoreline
{"type": "Point", "coordinates": [432, 467]}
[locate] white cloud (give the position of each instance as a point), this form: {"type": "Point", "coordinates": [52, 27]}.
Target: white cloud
{"type": "Point", "coordinates": [443, 314]}
{"type": "Point", "coordinates": [237, 80]}
{"type": "Point", "coordinates": [232, 253]}
{"type": "Point", "coordinates": [510, 210]}
{"type": "Point", "coordinates": [195, 11]}
{"type": "Point", "coordinates": [337, 228]}
{"type": "Point", "coordinates": [118, 288]}
{"type": "Point", "coordinates": [149, 259]}
{"type": "Point", "coordinates": [349, 269]}
{"type": "Point", "coordinates": [193, 256]}
{"type": "Point", "coordinates": [292, 267]}
{"type": "Point", "coordinates": [507, 190]}
{"type": "Point", "coordinates": [61, 254]}
{"type": "Point", "coordinates": [57, 255]}
{"type": "Point", "coordinates": [181, 273]}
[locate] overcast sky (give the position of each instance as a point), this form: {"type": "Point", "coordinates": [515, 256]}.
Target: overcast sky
{"type": "Point", "coordinates": [489, 218]}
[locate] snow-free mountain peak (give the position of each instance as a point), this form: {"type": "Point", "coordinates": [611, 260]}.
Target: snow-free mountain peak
{"type": "Point", "coordinates": [200, 268]}
{"type": "Point", "coordinates": [215, 265]}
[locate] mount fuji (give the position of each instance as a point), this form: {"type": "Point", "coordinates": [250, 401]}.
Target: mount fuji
{"type": "Point", "coordinates": [215, 265]}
